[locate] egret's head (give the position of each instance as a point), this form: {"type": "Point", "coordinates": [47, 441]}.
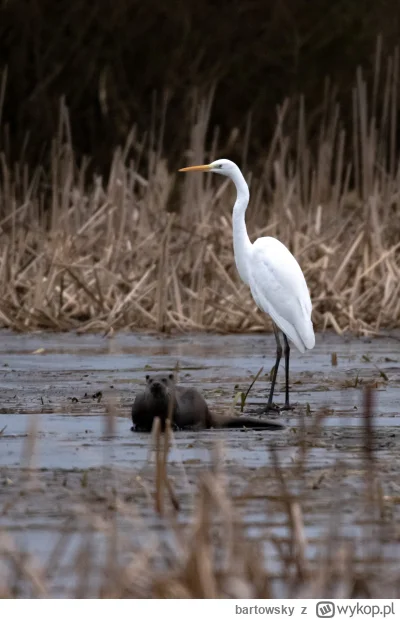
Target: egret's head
{"type": "Point", "coordinates": [220, 166]}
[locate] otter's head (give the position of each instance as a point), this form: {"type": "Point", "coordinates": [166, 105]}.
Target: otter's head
{"type": "Point", "coordinates": [159, 384]}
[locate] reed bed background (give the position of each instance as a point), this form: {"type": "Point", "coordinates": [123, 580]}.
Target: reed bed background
{"type": "Point", "coordinates": [147, 249]}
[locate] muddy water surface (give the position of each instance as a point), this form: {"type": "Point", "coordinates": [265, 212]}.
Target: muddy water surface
{"type": "Point", "coordinates": [59, 389]}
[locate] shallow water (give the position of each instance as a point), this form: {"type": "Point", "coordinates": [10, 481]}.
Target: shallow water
{"type": "Point", "coordinates": [50, 388]}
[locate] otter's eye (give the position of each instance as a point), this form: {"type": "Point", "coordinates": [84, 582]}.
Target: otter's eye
{"type": "Point", "coordinates": [150, 380]}
{"type": "Point", "coordinates": [164, 380]}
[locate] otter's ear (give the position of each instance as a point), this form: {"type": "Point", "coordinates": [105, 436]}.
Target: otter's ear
{"type": "Point", "coordinates": [147, 376]}
{"type": "Point", "coordinates": [171, 377]}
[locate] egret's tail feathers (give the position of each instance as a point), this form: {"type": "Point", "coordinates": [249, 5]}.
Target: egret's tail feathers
{"type": "Point", "coordinates": [303, 336]}
{"type": "Point", "coordinates": [304, 342]}
{"type": "Point", "coordinates": [308, 336]}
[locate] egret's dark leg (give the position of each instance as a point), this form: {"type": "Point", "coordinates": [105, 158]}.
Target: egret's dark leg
{"type": "Point", "coordinates": [270, 406]}
{"type": "Point", "coordinates": [287, 406]}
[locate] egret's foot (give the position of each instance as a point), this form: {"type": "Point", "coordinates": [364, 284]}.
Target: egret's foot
{"type": "Point", "coordinates": [268, 408]}
{"type": "Point", "coordinates": [288, 407]}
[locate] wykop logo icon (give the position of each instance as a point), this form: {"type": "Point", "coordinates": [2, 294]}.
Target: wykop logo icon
{"type": "Point", "coordinates": [325, 609]}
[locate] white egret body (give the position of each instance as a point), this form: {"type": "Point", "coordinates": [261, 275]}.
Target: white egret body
{"type": "Point", "coordinates": [273, 274]}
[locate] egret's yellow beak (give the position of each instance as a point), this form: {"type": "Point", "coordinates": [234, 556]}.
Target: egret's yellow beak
{"type": "Point", "coordinates": [197, 168]}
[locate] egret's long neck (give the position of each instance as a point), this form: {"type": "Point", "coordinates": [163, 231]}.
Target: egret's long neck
{"type": "Point", "coordinates": [241, 241]}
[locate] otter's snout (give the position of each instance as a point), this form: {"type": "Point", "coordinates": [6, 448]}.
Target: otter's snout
{"type": "Point", "coordinates": [156, 387]}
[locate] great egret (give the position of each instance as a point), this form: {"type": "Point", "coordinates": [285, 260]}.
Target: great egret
{"type": "Point", "coordinates": [273, 274]}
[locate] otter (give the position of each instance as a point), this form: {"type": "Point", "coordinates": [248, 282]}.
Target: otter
{"type": "Point", "coordinates": [187, 407]}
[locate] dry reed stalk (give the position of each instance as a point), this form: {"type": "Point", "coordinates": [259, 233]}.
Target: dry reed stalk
{"type": "Point", "coordinates": [162, 448]}
{"type": "Point", "coordinates": [24, 572]}
{"type": "Point", "coordinates": [159, 495]}
{"type": "Point", "coordinates": [199, 569]}
{"type": "Point", "coordinates": [166, 447]}
{"type": "Point", "coordinates": [298, 543]}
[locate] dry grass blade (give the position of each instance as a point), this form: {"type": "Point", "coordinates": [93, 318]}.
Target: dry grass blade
{"type": "Point", "coordinates": [166, 448]}
{"type": "Point", "coordinates": [159, 494]}
{"type": "Point", "coordinates": [295, 520]}
{"type": "Point", "coordinates": [252, 383]}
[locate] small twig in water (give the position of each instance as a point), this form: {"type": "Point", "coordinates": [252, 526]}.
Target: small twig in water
{"type": "Point", "coordinates": [243, 396]}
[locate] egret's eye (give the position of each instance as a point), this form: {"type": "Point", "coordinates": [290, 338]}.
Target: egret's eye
{"type": "Point", "coordinates": [220, 166]}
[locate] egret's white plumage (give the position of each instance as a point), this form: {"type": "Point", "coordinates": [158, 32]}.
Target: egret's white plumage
{"type": "Point", "coordinates": [278, 286]}
{"type": "Point", "coordinates": [273, 274]}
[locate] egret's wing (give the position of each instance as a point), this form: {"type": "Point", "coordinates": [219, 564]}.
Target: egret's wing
{"type": "Point", "coordinates": [279, 288]}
